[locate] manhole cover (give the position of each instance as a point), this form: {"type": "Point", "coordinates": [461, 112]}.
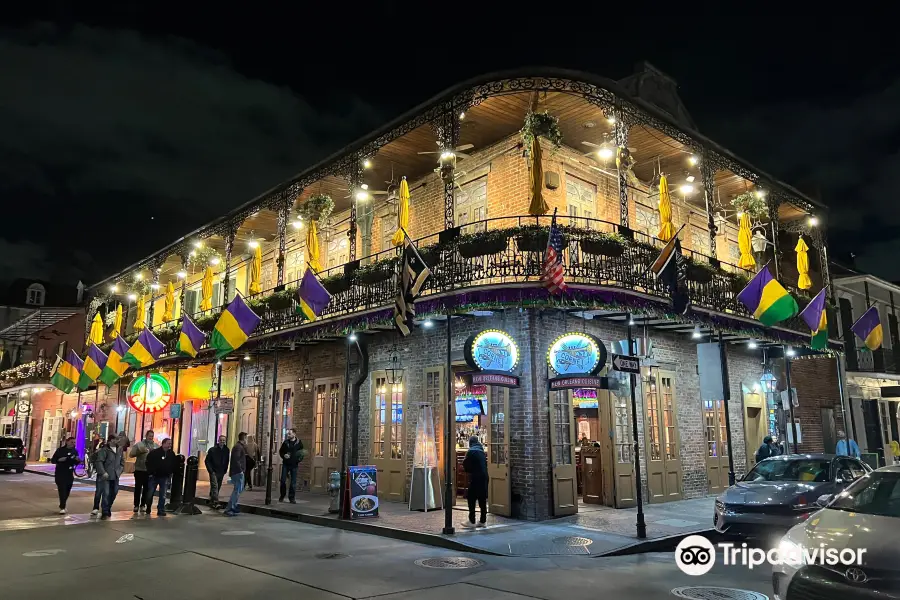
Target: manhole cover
{"type": "Point", "coordinates": [573, 541]}
{"type": "Point", "coordinates": [717, 593]}
{"type": "Point", "coordinates": [449, 562]}
{"type": "Point", "coordinates": [331, 555]}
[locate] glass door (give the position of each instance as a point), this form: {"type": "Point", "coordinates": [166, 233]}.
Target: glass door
{"type": "Point", "coordinates": [499, 490]}
{"type": "Point", "coordinates": [562, 448]}
{"type": "Point", "coordinates": [661, 436]}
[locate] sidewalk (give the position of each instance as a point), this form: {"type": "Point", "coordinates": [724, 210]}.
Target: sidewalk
{"type": "Point", "coordinates": [595, 530]}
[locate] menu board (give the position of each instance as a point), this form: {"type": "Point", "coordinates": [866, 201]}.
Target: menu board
{"type": "Point", "coordinates": [363, 492]}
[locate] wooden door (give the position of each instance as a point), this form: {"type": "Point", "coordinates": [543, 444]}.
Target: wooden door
{"type": "Point", "coordinates": [664, 473]}
{"type": "Point", "coordinates": [607, 455]}
{"type": "Point", "coordinates": [756, 425]}
{"type": "Point", "coordinates": [247, 412]}
{"type": "Point", "coordinates": [562, 449]}
{"type": "Point", "coordinates": [622, 441]}
{"type": "Point", "coordinates": [435, 395]}
{"type": "Point", "coordinates": [388, 438]}
{"type": "Point", "coordinates": [284, 408]}
{"type": "Point", "coordinates": [327, 427]}
{"type": "Point", "coordinates": [500, 487]}
{"type": "Point", "coordinates": [884, 423]}
{"type": "Point", "coordinates": [716, 445]}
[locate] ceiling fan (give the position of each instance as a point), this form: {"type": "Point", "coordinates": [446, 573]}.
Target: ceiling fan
{"type": "Point", "coordinates": [605, 151]}
{"type": "Point", "coordinates": [459, 151]}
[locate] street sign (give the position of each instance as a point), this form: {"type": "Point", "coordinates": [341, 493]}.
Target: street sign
{"type": "Point", "coordinates": [626, 364]}
{"type": "Point", "coordinates": [225, 406]}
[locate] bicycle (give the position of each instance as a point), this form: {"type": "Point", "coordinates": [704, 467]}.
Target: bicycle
{"type": "Point", "coordinates": [84, 470]}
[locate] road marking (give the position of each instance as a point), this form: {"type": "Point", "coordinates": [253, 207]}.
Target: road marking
{"type": "Point", "coordinates": [238, 533]}
{"type": "Point", "coordinates": [125, 538]}
{"type": "Point", "coordinates": [50, 552]}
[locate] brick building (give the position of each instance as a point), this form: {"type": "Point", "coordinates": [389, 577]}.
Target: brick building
{"type": "Point", "coordinates": [470, 178]}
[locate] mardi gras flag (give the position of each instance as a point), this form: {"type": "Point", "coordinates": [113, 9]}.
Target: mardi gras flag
{"type": "Point", "coordinates": [312, 295]}
{"type": "Point", "coordinates": [769, 302]}
{"type": "Point", "coordinates": [65, 377]}
{"type": "Point", "coordinates": [233, 327]}
{"type": "Point", "coordinates": [93, 366]}
{"type": "Point", "coordinates": [190, 340]}
{"type": "Point", "coordinates": [145, 351]}
{"type": "Point", "coordinates": [115, 365]}
{"type": "Point", "coordinates": [868, 328]}
{"type": "Point", "coordinates": [814, 317]}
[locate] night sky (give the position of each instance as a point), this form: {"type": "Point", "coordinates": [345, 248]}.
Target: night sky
{"type": "Point", "coordinates": [126, 125]}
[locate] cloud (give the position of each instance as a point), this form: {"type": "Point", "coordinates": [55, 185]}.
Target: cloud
{"type": "Point", "coordinates": [108, 127]}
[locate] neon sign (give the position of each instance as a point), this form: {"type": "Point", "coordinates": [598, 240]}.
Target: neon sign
{"type": "Point", "coordinates": [158, 393]}
{"type": "Point", "coordinates": [492, 350]}
{"type": "Point", "coordinates": [576, 354]}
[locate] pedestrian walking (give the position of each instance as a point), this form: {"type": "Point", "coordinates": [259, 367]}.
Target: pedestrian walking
{"type": "Point", "coordinates": [160, 466]}
{"type": "Point", "coordinates": [236, 470]}
{"type": "Point", "coordinates": [252, 460]}
{"type": "Point", "coordinates": [842, 449]}
{"type": "Point", "coordinates": [110, 465]}
{"type": "Point", "coordinates": [291, 454]}
{"type": "Point", "coordinates": [65, 458]}
{"type": "Point", "coordinates": [139, 453]}
{"type": "Point", "coordinates": [216, 466]}
{"type": "Point", "coordinates": [475, 465]}
{"type": "Point", "coordinates": [99, 482]}
{"type": "Point", "coordinates": [767, 449]}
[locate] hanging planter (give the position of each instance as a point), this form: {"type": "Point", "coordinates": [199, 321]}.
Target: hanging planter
{"type": "Point", "coordinates": [316, 208]}
{"type": "Point", "coordinates": [534, 238]}
{"type": "Point", "coordinates": [205, 323]}
{"type": "Point", "coordinates": [737, 282]}
{"type": "Point", "coordinates": [603, 244]}
{"type": "Point", "coordinates": [431, 254]}
{"type": "Point", "coordinates": [483, 243]}
{"type": "Point", "coordinates": [752, 205]}
{"type": "Point", "coordinates": [541, 125]}
{"type": "Point", "coordinates": [377, 272]}
{"type": "Point", "coordinates": [699, 272]}
{"type": "Point", "coordinates": [337, 284]}
{"type": "Point", "coordinates": [279, 300]}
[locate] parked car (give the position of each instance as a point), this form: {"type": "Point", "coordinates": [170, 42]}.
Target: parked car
{"type": "Point", "coordinates": [12, 454]}
{"type": "Point", "coordinates": [864, 516]}
{"type": "Point", "coordinates": [781, 491]}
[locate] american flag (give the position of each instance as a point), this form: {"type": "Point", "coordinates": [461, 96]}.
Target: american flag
{"type": "Point", "coordinates": [553, 275]}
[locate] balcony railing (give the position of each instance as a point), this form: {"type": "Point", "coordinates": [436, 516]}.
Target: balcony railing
{"type": "Point", "coordinates": [883, 360]}
{"type": "Point", "coordinates": [503, 251]}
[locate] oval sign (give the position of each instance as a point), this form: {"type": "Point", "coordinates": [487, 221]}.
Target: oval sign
{"type": "Point", "coordinates": [492, 350]}
{"type": "Point", "coordinates": [158, 393]}
{"type": "Point", "coordinates": [576, 354]}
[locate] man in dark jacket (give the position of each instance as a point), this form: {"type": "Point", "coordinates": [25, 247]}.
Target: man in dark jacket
{"type": "Point", "coordinates": [475, 465]}
{"type": "Point", "coordinates": [65, 458]}
{"type": "Point", "coordinates": [291, 455]}
{"type": "Point", "coordinates": [767, 449]}
{"type": "Point", "coordinates": [216, 466]}
{"type": "Point", "coordinates": [236, 470]}
{"type": "Point", "coordinates": [160, 466]}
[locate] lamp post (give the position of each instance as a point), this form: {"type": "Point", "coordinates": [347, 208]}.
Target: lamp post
{"type": "Point", "coordinates": [272, 428]}
{"type": "Point", "coordinates": [640, 524]}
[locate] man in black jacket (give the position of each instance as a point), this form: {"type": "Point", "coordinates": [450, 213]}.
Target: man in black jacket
{"type": "Point", "coordinates": [236, 469]}
{"type": "Point", "coordinates": [65, 458]}
{"type": "Point", "coordinates": [160, 466]}
{"type": "Point", "coordinates": [291, 455]}
{"type": "Point", "coordinates": [216, 466]}
{"type": "Point", "coordinates": [475, 464]}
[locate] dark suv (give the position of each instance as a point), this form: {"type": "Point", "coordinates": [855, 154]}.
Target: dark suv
{"type": "Point", "coordinates": [12, 454]}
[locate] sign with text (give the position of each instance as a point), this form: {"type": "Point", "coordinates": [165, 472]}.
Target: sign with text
{"type": "Point", "coordinates": [498, 379]}
{"type": "Point", "coordinates": [492, 350]}
{"type": "Point", "coordinates": [576, 353]}
{"type": "Point", "coordinates": [225, 406]}
{"type": "Point", "coordinates": [626, 364]}
{"type": "Point", "coordinates": [175, 411]}
{"type": "Point", "coordinates": [571, 383]}
{"type": "Point", "coordinates": [363, 485]}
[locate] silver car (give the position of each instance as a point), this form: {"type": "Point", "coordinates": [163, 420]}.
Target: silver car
{"type": "Point", "coordinates": [781, 491]}
{"type": "Point", "coordinates": [864, 517]}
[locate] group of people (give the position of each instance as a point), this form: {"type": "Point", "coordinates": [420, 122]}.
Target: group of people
{"type": "Point", "coordinates": [155, 463]}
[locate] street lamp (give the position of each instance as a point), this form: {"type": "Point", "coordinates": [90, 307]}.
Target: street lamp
{"type": "Point", "coordinates": [394, 373]}
{"type": "Point", "coordinates": [306, 379]}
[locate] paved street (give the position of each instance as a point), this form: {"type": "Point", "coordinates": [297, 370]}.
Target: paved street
{"type": "Point", "coordinates": [43, 555]}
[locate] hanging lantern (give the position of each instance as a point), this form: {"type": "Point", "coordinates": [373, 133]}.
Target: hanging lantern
{"type": "Point", "coordinates": [306, 380]}
{"type": "Point", "coordinates": [394, 373]}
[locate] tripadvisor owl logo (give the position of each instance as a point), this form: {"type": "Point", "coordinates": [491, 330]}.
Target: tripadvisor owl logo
{"type": "Point", "coordinates": [695, 555]}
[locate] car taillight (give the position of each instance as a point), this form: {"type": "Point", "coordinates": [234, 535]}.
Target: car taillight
{"type": "Point", "coordinates": [801, 504]}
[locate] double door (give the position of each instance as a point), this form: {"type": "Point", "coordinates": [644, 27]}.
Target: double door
{"type": "Point", "coordinates": [388, 438]}
{"type": "Point", "coordinates": [714, 425]}
{"type": "Point", "coordinates": [664, 471]}
{"type": "Point", "coordinates": [327, 431]}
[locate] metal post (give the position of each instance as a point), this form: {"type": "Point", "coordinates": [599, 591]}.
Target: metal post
{"type": "Point", "coordinates": [144, 407]}
{"type": "Point", "coordinates": [708, 174]}
{"type": "Point", "coordinates": [787, 381]}
{"type": "Point", "coordinates": [726, 396]}
{"type": "Point", "coordinates": [344, 430]}
{"type": "Point", "coordinates": [620, 130]}
{"type": "Point", "coordinates": [283, 214]}
{"type": "Point", "coordinates": [175, 400]}
{"type": "Point", "coordinates": [641, 525]}
{"type": "Point", "coordinates": [229, 250]}
{"type": "Point", "coordinates": [773, 212]}
{"type": "Point", "coordinates": [448, 134]}
{"type": "Point", "coordinates": [218, 400]}
{"type": "Point", "coordinates": [449, 453]}
{"type": "Point", "coordinates": [851, 430]}
{"type": "Point", "coordinates": [355, 183]}
{"type": "Point", "coordinates": [272, 429]}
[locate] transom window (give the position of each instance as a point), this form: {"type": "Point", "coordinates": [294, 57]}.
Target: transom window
{"type": "Point", "coordinates": [581, 201]}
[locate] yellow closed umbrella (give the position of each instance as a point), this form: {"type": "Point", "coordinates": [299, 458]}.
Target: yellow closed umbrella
{"type": "Point", "coordinates": [140, 309]}
{"type": "Point", "coordinates": [804, 282]}
{"type": "Point", "coordinates": [312, 247]}
{"type": "Point", "coordinates": [117, 323]}
{"type": "Point", "coordinates": [96, 335]}
{"type": "Point", "coordinates": [538, 206]}
{"type": "Point", "coordinates": [206, 289]}
{"type": "Point", "coordinates": [399, 236]}
{"type": "Point", "coordinates": [744, 238]}
{"type": "Point", "coordinates": [256, 271]}
{"type": "Point", "coordinates": [666, 229]}
{"type": "Point", "coordinates": [169, 303]}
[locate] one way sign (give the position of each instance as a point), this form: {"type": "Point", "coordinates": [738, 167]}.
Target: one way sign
{"type": "Point", "coordinates": [626, 364]}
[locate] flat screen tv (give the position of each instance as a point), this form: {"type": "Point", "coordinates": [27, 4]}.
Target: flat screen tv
{"type": "Point", "coordinates": [469, 407]}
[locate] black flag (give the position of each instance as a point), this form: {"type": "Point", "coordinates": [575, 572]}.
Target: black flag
{"type": "Point", "coordinates": [671, 268]}
{"type": "Point", "coordinates": [413, 274]}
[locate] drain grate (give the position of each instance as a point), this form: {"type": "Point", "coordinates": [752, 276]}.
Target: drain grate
{"type": "Point", "coordinates": [449, 562]}
{"type": "Point", "coordinates": [331, 555]}
{"type": "Point", "coordinates": [717, 593]}
{"type": "Point", "coordinates": [572, 541]}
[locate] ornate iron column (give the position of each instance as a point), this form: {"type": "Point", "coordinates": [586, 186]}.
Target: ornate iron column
{"type": "Point", "coordinates": [621, 135]}
{"type": "Point", "coordinates": [708, 174]}
{"type": "Point", "coordinates": [185, 261]}
{"type": "Point", "coordinates": [230, 233]}
{"type": "Point", "coordinates": [155, 268]}
{"type": "Point", "coordinates": [774, 203]}
{"type": "Point", "coordinates": [284, 210]}
{"type": "Point", "coordinates": [355, 183]}
{"type": "Point", "coordinates": [447, 130]}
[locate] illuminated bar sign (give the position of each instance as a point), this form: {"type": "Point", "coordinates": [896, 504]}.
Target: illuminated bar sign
{"type": "Point", "coordinates": [572, 383]}
{"type": "Point", "coordinates": [498, 379]}
{"type": "Point", "coordinates": [576, 354]}
{"type": "Point", "coordinates": [492, 350]}
{"type": "Point", "coordinates": [157, 397]}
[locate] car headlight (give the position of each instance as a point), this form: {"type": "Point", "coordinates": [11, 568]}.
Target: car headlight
{"type": "Point", "coordinates": [791, 553]}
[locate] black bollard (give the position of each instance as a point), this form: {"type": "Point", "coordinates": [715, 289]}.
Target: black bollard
{"type": "Point", "coordinates": [190, 487]}
{"type": "Point", "coordinates": [175, 494]}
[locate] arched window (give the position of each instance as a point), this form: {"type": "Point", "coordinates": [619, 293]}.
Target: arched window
{"type": "Point", "coordinates": [34, 295]}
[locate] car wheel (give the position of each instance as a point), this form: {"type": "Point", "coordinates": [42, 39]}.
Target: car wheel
{"type": "Point", "coordinates": [22, 470]}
